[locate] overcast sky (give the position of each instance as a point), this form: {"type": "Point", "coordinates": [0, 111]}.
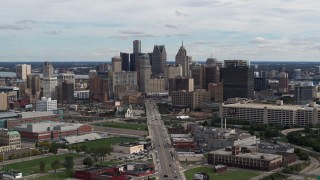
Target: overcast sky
{"type": "Point", "coordinates": [96, 30]}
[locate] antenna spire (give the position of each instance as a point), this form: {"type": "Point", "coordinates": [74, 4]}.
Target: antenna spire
{"type": "Point", "coordinates": [182, 43]}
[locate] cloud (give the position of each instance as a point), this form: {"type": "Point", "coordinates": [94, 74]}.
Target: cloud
{"type": "Point", "coordinates": [53, 32]}
{"type": "Point", "coordinates": [170, 26]}
{"type": "Point", "coordinates": [179, 13]}
{"type": "Point", "coordinates": [26, 21]}
{"type": "Point", "coordinates": [130, 32]}
{"type": "Point", "coordinates": [10, 27]}
{"type": "Point", "coordinates": [260, 40]}
{"type": "Point", "coordinates": [181, 35]}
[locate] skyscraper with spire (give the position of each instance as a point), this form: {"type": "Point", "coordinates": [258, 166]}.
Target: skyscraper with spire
{"type": "Point", "coordinates": [184, 61]}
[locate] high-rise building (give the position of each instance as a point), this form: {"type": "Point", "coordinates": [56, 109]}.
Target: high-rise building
{"type": "Point", "coordinates": [67, 93]}
{"type": "Point", "coordinates": [145, 72]}
{"type": "Point", "coordinates": [237, 79]}
{"type": "Point", "coordinates": [198, 74]}
{"type": "Point", "coordinates": [33, 90]}
{"type": "Point", "coordinates": [62, 77]}
{"type": "Point", "coordinates": [212, 75]}
{"type": "Point", "coordinates": [125, 63]}
{"type": "Point", "coordinates": [303, 93]}
{"type": "Point", "coordinates": [116, 64]}
{"type": "Point", "coordinates": [49, 87]}
{"type": "Point", "coordinates": [99, 88]}
{"type": "Point", "coordinates": [172, 71]}
{"type": "Point", "coordinates": [124, 81]}
{"type": "Point", "coordinates": [3, 101]}
{"type": "Point", "coordinates": [184, 61]}
{"type": "Point", "coordinates": [181, 84]}
{"type": "Point", "coordinates": [159, 60]}
{"type": "Point", "coordinates": [283, 82]}
{"type": "Point", "coordinates": [216, 92]}
{"type": "Point", "coordinates": [22, 71]}
{"type": "Point", "coordinates": [211, 62]}
{"type": "Point", "coordinates": [47, 70]}
{"type": "Point", "coordinates": [136, 46]}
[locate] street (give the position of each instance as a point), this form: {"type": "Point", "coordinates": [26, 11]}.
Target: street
{"type": "Point", "coordinates": [166, 162]}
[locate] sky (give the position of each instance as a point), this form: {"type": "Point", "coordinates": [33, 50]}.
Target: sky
{"type": "Point", "coordinates": [97, 30]}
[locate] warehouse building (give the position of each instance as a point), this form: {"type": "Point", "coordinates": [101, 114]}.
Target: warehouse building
{"type": "Point", "coordinates": [51, 130]}
{"type": "Point", "coordinates": [128, 148]}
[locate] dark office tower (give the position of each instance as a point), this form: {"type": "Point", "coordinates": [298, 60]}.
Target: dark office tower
{"type": "Point", "coordinates": [198, 72]}
{"type": "Point", "coordinates": [159, 60]}
{"type": "Point", "coordinates": [260, 83]}
{"type": "Point", "coordinates": [66, 93]}
{"type": "Point", "coordinates": [237, 79]}
{"type": "Point", "coordinates": [47, 70]}
{"type": "Point", "coordinates": [184, 61]}
{"type": "Point", "coordinates": [33, 88]}
{"type": "Point", "coordinates": [211, 62]}
{"type": "Point", "coordinates": [136, 46]}
{"type": "Point", "coordinates": [125, 61]}
{"type": "Point", "coordinates": [303, 93]}
{"type": "Point", "coordinates": [283, 82]}
{"type": "Point", "coordinates": [132, 62]}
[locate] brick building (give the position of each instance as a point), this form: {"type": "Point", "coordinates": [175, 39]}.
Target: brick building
{"type": "Point", "coordinates": [51, 130]}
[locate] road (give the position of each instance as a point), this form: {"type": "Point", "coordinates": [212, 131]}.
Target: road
{"type": "Point", "coordinates": [166, 162]}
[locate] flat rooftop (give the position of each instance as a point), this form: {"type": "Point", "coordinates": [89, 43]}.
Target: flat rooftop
{"type": "Point", "coordinates": [269, 106]}
{"type": "Point", "coordinates": [257, 155]}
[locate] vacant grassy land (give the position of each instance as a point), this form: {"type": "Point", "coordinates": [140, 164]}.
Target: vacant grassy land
{"type": "Point", "coordinates": [142, 127]}
{"type": "Point", "coordinates": [106, 142]}
{"type": "Point", "coordinates": [29, 167]}
{"type": "Point", "coordinates": [228, 175]}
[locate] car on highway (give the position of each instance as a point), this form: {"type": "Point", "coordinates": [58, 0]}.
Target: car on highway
{"type": "Point", "coordinates": [165, 175]}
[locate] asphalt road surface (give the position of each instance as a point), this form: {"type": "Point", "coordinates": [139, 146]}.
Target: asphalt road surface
{"type": "Point", "coordinates": [166, 162]}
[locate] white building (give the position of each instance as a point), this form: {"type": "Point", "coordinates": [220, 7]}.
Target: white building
{"type": "Point", "coordinates": [272, 113]}
{"type": "Point", "coordinates": [49, 87]}
{"type": "Point", "coordinates": [81, 94]}
{"type": "Point", "coordinates": [22, 71]}
{"type": "Point", "coordinates": [46, 104]}
{"type": "Point", "coordinates": [128, 148]}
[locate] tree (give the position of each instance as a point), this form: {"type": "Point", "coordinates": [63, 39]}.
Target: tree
{"type": "Point", "coordinates": [42, 166]}
{"type": "Point", "coordinates": [55, 165]}
{"type": "Point", "coordinates": [54, 148]}
{"type": "Point", "coordinates": [68, 163]}
{"type": "Point", "coordinates": [83, 148]}
{"type": "Point", "coordinates": [44, 145]}
{"type": "Point", "coordinates": [88, 161]}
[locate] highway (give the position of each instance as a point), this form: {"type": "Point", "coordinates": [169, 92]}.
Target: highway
{"type": "Point", "coordinates": [168, 166]}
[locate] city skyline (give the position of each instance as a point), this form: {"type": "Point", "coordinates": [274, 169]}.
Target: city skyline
{"type": "Point", "coordinates": [78, 30]}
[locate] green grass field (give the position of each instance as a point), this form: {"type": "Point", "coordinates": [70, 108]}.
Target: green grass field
{"type": "Point", "coordinates": [228, 175]}
{"type": "Point", "coordinates": [58, 176]}
{"type": "Point", "coordinates": [142, 127]}
{"type": "Point", "coordinates": [29, 167]}
{"type": "Point", "coordinates": [106, 142]}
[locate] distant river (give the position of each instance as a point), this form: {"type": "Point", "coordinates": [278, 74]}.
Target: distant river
{"type": "Point", "coordinates": [12, 74]}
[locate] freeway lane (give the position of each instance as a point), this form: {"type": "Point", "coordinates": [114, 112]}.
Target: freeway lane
{"type": "Point", "coordinates": [168, 167]}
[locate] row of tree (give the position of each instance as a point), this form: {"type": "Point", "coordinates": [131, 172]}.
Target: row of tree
{"type": "Point", "coordinates": [68, 164]}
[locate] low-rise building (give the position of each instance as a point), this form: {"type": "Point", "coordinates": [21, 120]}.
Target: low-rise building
{"type": "Point", "coordinates": [51, 130]}
{"type": "Point", "coordinates": [9, 140]}
{"type": "Point", "coordinates": [128, 148]}
{"type": "Point", "coordinates": [46, 104]}
{"type": "Point", "coordinates": [216, 138]}
{"type": "Point", "coordinates": [192, 100]}
{"type": "Point", "coordinates": [234, 157]}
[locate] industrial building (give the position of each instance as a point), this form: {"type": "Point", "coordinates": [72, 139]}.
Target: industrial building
{"type": "Point", "coordinates": [51, 130]}
{"type": "Point", "coordinates": [28, 117]}
{"type": "Point", "coordinates": [245, 158]}
{"type": "Point", "coordinates": [217, 138]}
